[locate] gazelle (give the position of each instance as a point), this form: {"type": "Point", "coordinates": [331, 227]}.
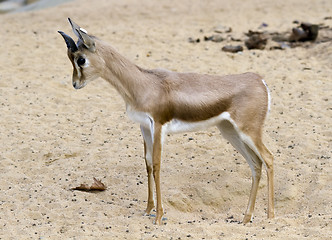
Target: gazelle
{"type": "Point", "coordinates": [163, 101]}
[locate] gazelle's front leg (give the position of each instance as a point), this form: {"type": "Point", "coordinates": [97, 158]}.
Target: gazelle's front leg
{"type": "Point", "coordinates": [156, 160]}
{"type": "Point", "coordinates": [148, 148]}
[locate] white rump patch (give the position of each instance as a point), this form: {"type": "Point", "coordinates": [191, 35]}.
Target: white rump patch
{"type": "Point", "coordinates": [268, 95]}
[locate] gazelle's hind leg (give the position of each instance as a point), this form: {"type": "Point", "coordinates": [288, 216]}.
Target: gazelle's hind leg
{"type": "Point", "coordinates": [232, 134]}
{"type": "Point", "coordinates": [268, 162]}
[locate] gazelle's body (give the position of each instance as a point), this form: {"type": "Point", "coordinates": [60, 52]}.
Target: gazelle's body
{"type": "Point", "coordinates": [168, 102]}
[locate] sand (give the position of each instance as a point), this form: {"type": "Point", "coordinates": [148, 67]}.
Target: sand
{"type": "Point", "coordinates": [54, 137]}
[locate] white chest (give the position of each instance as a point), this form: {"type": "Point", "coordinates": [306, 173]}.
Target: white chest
{"type": "Point", "coordinates": [142, 118]}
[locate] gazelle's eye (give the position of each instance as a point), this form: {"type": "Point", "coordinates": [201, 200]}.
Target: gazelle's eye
{"type": "Point", "coordinates": [80, 61]}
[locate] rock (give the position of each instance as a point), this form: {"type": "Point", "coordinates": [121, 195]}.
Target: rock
{"type": "Point", "coordinates": [306, 32]}
{"type": "Point", "coordinates": [214, 38]}
{"type": "Point", "coordinates": [297, 34]}
{"type": "Point", "coordinates": [222, 29]}
{"type": "Point", "coordinates": [311, 29]}
{"type": "Point", "coordinates": [257, 40]}
{"type": "Point", "coordinates": [232, 49]}
{"type": "Point", "coordinates": [191, 40]}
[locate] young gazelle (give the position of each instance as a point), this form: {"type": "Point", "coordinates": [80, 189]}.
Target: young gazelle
{"type": "Point", "coordinates": [168, 102]}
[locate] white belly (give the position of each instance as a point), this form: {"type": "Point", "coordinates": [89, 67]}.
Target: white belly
{"type": "Point", "coordinates": [175, 125]}
{"type": "Point", "coordinates": [178, 126]}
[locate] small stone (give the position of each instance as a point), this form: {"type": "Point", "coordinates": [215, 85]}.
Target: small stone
{"type": "Point", "coordinates": [222, 29]}
{"type": "Point", "coordinates": [217, 38]}
{"type": "Point", "coordinates": [214, 38]}
{"type": "Point", "coordinates": [232, 49]}
{"type": "Point", "coordinates": [256, 40]}
{"type": "Point", "coordinates": [298, 34]}
{"type": "Point", "coordinates": [191, 40]}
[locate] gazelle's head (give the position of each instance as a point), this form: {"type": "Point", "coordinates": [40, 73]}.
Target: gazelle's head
{"type": "Point", "coordinates": [86, 63]}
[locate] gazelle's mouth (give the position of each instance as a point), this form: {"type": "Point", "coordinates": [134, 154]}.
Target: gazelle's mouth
{"type": "Point", "coordinates": [77, 85]}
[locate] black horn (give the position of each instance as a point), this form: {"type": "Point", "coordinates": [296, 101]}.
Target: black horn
{"type": "Point", "coordinates": [69, 41]}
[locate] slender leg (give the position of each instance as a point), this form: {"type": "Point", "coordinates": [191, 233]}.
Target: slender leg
{"type": "Point", "coordinates": [157, 147]}
{"type": "Point", "coordinates": [256, 170]}
{"type": "Point", "coordinates": [148, 162]}
{"type": "Point", "coordinates": [230, 133]}
{"type": "Point", "coordinates": [268, 160]}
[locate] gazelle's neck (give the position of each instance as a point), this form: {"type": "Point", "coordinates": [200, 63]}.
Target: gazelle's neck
{"type": "Point", "coordinates": [126, 77]}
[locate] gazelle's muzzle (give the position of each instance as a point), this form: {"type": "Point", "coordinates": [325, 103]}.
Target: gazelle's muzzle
{"type": "Point", "coordinates": [78, 85]}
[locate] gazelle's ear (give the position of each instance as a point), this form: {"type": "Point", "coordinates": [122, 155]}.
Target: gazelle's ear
{"type": "Point", "coordinates": [87, 40]}
{"type": "Point", "coordinates": [69, 41]}
{"type": "Point", "coordinates": [82, 34]}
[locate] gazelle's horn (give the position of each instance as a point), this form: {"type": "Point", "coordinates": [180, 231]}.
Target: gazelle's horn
{"type": "Point", "coordinates": [69, 41]}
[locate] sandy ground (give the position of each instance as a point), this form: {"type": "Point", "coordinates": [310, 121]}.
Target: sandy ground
{"type": "Point", "coordinates": [54, 138]}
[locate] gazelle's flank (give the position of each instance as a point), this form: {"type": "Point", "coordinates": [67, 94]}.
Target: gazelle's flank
{"type": "Point", "coordinates": [167, 102]}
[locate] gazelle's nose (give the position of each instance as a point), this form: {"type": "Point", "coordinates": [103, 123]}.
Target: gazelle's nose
{"type": "Point", "coordinates": [75, 85]}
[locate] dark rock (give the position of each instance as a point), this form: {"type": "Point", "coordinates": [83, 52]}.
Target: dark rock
{"type": "Point", "coordinates": [256, 40]}
{"type": "Point", "coordinates": [311, 29]}
{"type": "Point", "coordinates": [232, 49]}
{"type": "Point", "coordinates": [306, 32]}
{"type": "Point", "coordinates": [191, 40]}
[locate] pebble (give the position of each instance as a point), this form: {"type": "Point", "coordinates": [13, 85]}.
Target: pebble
{"type": "Point", "coordinates": [232, 49]}
{"type": "Point", "coordinates": [214, 38]}
{"type": "Point", "coordinates": [222, 29]}
{"type": "Point", "coordinates": [191, 40]}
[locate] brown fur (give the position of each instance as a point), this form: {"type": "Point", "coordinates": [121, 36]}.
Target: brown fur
{"type": "Point", "coordinates": [185, 96]}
